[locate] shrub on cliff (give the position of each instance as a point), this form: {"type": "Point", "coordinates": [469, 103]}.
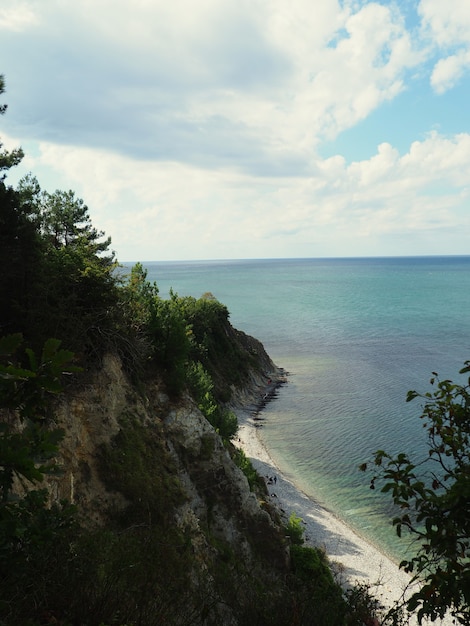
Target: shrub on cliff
{"type": "Point", "coordinates": [201, 385]}
{"type": "Point", "coordinates": [215, 343]}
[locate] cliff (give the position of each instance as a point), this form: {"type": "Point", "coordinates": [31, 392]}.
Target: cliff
{"type": "Point", "coordinates": [131, 453]}
{"type": "Point", "coordinates": [152, 517]}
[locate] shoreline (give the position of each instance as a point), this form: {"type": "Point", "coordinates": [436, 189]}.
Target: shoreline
{"type": "Point", "coordinates": [353, 558]}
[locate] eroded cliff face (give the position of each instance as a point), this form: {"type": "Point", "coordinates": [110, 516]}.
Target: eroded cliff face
{"type": "Point", "coordinates": [214, 509]}
{"type": "Point", "coordinates": [89, 415]}
{"type": "Point", "coordinates": [219, 498]}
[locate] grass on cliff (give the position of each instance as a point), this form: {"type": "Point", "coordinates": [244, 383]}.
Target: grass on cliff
{"type": "Point", "coordinates": [136, 464]}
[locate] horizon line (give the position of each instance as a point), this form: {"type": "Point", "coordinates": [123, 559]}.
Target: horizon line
{"type": "Point", "coordinates": [301, 258]}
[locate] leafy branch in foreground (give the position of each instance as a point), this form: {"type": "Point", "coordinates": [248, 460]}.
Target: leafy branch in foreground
{"type": "Point", "coordinates": [27, 445]}
{"type": "Point", "coordinates": [31, 530]}
{"type": "Point", "coordinates": [433, 499]}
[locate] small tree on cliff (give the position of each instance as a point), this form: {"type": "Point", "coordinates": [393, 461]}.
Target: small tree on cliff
{"type": "Point", "coordinates": [433, 498]}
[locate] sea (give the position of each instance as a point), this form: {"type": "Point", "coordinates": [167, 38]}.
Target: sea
{"type": "Point", "coordinates": [354, 335]}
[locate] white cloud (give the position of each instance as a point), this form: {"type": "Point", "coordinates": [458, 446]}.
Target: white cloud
{"type": "Point", "coordinates": [194, 129]}
{"type": "Point", "coordinates": [256, 85]}
{"type": "Point", "coordinates": [448, 25]}
{"type": "Point", "coordinates": [177, 211]}
{"type": "Point", "coordinates": [448, 22]}
{"type": "Point", "coordinates": [16, 16]}
{"type": "Point", "coordinates": [448, 71]}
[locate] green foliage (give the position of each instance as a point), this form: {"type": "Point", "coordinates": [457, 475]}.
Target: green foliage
{"type": "Point", "coordinates": [318, 599]}
{"type": "Point", "coordinates": [207, 317]}
{"type": "Point", "coordinates": [433, 499]}
{"type": "Point", "coordinates": [78, 275]}
{"type": "Point", "coordinates": [202, 387]}
{"type": "Point", "coordinates": [184, 334]}
{"type": "Point", "coordinates": [294, 530]}
{"type": "Point", "coordinates": [36, 553]}
{"type": "Point", "coordinates": [27, 446]}
{"type": "Point", "coordinates": [20, 260]}
{"type": "Point", "coordinates": [170, 338]}
{"type": "Point", "coordinates": [159, 325]}
{"type": "Point", "coordinates": [61, 573]}
{"type": "Point", "coordinates": [136, 313]}
{"type": "Point", "coordinates": [310, 563]}
{"type": "Point", "coordinates": [255, 481]}
{"type": "Point", "coordinates": [136, 464]}
{"type": "Point", "coordinates": [364, 608]}
{"type": "Point", "coordinates": [139, 298]}
{"type": "Point", "coordinates": [228, 424]}
{"type": "Point", "coordinates": [66, 222]}
{"type": "Point", "coordinates": [58, 278]}
{"type": "Point", "coordinates": [137, 575]}
{"type": "Point", "coordinates": [215, 344]}
{"type": "Point", "coordinates": [200, 383]}
{"type": "Point", "coordinates": [31, 533]}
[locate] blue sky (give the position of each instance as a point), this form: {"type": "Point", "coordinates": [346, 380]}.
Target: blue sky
{"type": "Point", "coordinates": [202, 129]}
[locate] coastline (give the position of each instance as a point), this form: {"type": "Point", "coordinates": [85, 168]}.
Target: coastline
{"type": "Point", "coordinates": [353, 559]}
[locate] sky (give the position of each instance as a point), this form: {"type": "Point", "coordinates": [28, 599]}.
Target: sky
{"type": "Point", "coordinates": [231, 129]}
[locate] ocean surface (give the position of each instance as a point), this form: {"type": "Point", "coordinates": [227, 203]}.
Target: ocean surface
{"type": "Point", "coordinates": [355, 335]}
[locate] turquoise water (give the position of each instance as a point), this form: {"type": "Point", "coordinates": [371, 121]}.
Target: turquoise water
{"type": "Point", "coordinates": [355, 336]}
